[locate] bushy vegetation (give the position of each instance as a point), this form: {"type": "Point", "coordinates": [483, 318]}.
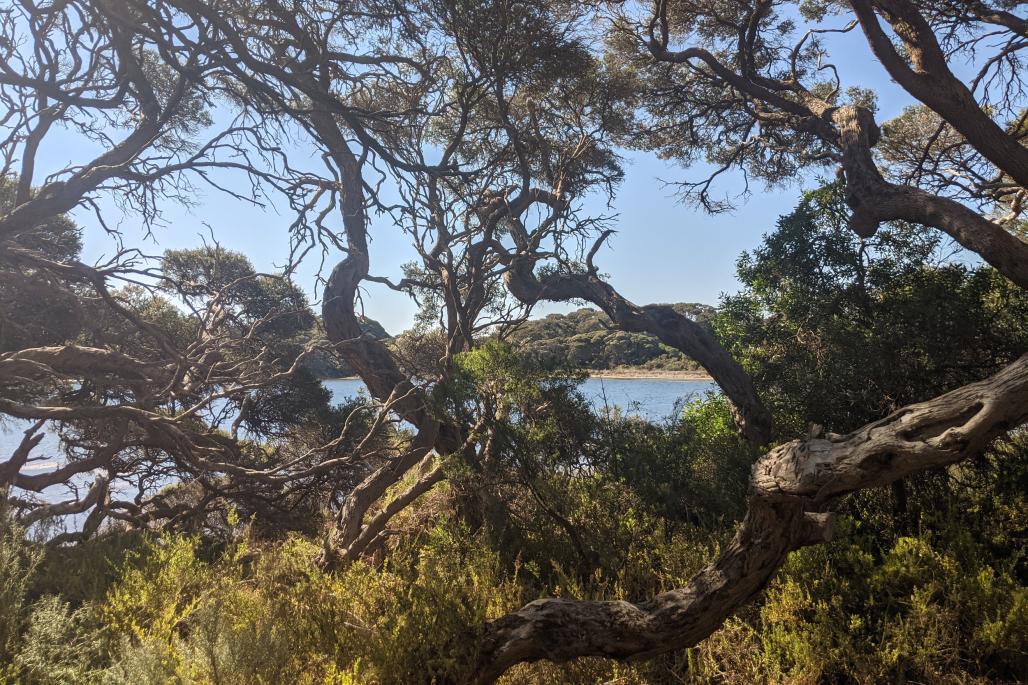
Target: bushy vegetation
{"type": "Point", "coordinates": [840, 330]}
{"type": "Point", "coordinates": [947, 604]}
{"type": "Point", "coordinates": [182, 503]}
{"type": "Point", "coordinates": [924, 584]}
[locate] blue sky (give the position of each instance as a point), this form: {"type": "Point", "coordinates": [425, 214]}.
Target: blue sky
{"type": "Point", "coordinates": [663, 251]}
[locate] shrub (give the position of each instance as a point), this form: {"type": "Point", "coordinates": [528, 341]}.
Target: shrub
{"type": "Point", "coordinates": [18, 563]}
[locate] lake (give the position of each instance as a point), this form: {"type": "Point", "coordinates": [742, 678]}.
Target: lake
{"type": "Point", "coordinates": [652, 399]}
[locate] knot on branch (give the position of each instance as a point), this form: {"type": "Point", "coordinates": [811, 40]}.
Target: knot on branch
{"type": "Point", "coordinates": [856, 125]}
{"type": "Point", "coordinates": [865, 186]}
{"type": "Point", "coordinates": [795, 469]}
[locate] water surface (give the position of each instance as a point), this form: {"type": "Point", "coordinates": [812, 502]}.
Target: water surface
{"type": "Point", "coordinates": [652, 399]}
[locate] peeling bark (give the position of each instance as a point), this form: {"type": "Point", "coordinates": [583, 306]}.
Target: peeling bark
{"type": "Point", "coordinates": [72, 361]}
{"type": "Point", "coordinates": [98, 492]}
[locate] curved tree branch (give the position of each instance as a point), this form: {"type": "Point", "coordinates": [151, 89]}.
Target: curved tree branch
{"type": "Point", "coordinates": [852, 131]}
{"type": "Point", "coordinates": [874, 201]}
{"type": "Point", "coordinates": [928, 78]}
{"type": "Point", "coordinates": [673, 329]}
{"type": "Point", "coordinates": [790, 488]}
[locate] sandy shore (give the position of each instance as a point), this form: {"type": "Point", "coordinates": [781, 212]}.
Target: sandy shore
{"type": "Point", "coordinates": [650, 375]}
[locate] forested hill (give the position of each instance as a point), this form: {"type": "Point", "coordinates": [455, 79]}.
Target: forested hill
{"type": "Point", "coordinates": [586, 339]}
{"type": "Point", "coordinates": [583, 339]}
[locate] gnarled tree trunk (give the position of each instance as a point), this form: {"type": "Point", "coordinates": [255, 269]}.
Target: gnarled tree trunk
{"type": "Point", "coordinates": [790, 489]}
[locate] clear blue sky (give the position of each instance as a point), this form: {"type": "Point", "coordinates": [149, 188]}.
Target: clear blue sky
{"type": "Point", "coordinates": [663, 251]}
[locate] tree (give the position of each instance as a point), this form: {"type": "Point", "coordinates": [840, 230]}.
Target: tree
{"type": "Point", "coordinates": [489, 122]}
{"type": "Point", "coordinates": [33, 311]}
{"type": "Point", "coordinates": [839, 330]}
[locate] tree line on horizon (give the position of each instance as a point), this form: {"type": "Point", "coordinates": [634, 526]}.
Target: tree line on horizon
{"type": "Point", "coordinates": [848, 508]}
{"type": "Point", "coordinates": [581, 339]}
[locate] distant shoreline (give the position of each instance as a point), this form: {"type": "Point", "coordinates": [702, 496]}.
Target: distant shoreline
{"type": "Point", "coordinates": [614, 374]}
{"type": "Point", "coordinates": [649, 375]}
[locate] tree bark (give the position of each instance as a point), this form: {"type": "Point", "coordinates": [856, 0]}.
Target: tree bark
{"type": "Point", "coordinates": [790, 488]}
{"type": "Point", "coordinates": [874, 201]}
{"type": "Point", "coordinates": [693, 339]}
{"type": "Point", "coordinates": [928, 78]}
{"type": "Point", "coordinates": [350, 537]}
{"type": "Point", "coordinates": [373, 532]}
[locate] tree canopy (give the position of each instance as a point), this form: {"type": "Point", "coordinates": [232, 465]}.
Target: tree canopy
{"type": "Point", "coordinates": [859, 353]}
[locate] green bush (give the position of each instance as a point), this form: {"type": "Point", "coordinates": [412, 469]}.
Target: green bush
{"type": "Point", "coordinates": [947, 607]}
{"type": "Point", "coordinates": [918, 614]}
{"type": "Point", "coordinates": [62, 646]}
{"type": "Point", "coordinates": [268, 615]}
{"type": "Point", "coordinates": [18, 563]}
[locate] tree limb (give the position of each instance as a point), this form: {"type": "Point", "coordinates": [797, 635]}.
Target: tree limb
{"type": "Point", "coordinates": [790, 487]}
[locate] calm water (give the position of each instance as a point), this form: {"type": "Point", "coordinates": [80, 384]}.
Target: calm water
{"type": "Point", "coordinates": [650, 399]}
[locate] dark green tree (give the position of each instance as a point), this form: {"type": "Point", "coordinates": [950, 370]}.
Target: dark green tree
{"type": "Point", "coordinates": [839, 330]}
{"type": "Point", "coordinates": [35, 307]}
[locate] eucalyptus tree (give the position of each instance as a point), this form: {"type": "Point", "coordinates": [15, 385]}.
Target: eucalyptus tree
{"type": "Point", "coordinates": [477, 129]}
{"type": "Point", "coordinates": [749, 86]}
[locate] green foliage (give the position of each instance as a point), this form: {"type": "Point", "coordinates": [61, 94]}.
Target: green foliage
{"type": "Point", "coordinates": [18, 562]}
{"type": "Point", "coordinates": [586, 339]}
{"type": "Point", "coordinates": [158, 590]}
{"type": "Point", "coordinates": [421, 352]}
{"type": "Point", "coordinates": [926, 582]}
{"type": "Point", "coordinates": [695, 469]}
{"type": "Point", "coordinates": [839, 331]}
{"type": "Point", "coordinates": [324, 364]}
{"type": "Point", "coordinates": [920, 610]}
{"type": "Point", "coordinates": [269, 315]}
{"type": "Point", "coordinates": [271, 307]}
{"type": "Point", "coordinates": [268, 615]}
{"type": "Point", "coordinates": [611, 491]}
{"type": "Point", "coordinates": [947, 605]}
{"type": "Point", "coordinates": [61, 646]}
{"type": "Point", "coordinates": [36, 308]}
{"type": "Point", "coordinates": [85, 572]}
